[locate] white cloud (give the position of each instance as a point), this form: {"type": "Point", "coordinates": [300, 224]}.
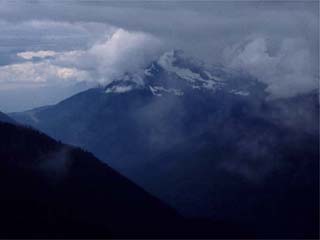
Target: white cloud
{"type": "Point", "coordinates": [107, 59]}
{"type": "Point", "coordinates": [30, 38]}
{"type": "Point", "coordinates": [85, 41]}
{"type": "Point", "coordinates": [39, 54]}
{"type": "Point", "coordinates": [120, 52]}
{"type": "Point", "coordinates": [124, 52]}
{"type": "Point", "coordinates": [287, 71]}
{"type": "Point", "coordinates": [39, 73]}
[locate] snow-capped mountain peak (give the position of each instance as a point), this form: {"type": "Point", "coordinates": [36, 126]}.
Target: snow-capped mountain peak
{"type": "Point", "coordinates": [158, 91]}
{"type": "Point", "coordinates": [167, 62]}
{"type": "Point", "coordinates": [174, 73]}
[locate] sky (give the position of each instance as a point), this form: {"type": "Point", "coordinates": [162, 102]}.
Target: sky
{"type": "Point", "coordinates": [50, 50]}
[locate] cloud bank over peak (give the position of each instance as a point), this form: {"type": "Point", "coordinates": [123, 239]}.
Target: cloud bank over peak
{"type": "Point", "coordinates": [96, 41]}
{"type": "Point", "coordinates": [288, 69]}
{"type": "Point", "coordinates": [286, 66]}
{"type": "Point", "coordinates": [119, 52]}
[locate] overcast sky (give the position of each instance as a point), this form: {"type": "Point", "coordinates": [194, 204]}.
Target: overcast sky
{"type": "Point", "coordinates": [52, 49]}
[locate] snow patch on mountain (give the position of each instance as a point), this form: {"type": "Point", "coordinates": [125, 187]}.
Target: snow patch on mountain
{"type": "Point", "coordinates": [119, 89]}
{"type": "Point", "coordinates": [239, 92]}
{"type": "Point", "coordinates": [166, 61]}
{"type": "Point", "coordinates": [209, 84]}
{"type": "Point", "coordinates": [148, 71]}
{"type": "Point", "coordinates": [211, 77]}
{"type": "Point", "coordinates": [158, 90]}
{"type": "Point", "coordinates": [173, 73]}
{"type": "Point", "coordinates": [202, 79]}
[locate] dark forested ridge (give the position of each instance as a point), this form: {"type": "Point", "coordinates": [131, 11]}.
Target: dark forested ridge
{"type": "Point", "coordinates": [51, 190]}
{"type": "Point", "coordinates": [5, 118]}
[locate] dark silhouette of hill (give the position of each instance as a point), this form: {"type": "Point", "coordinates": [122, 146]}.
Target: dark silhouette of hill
{"type": "Point", "coordinates": [52, 190]}
{"type": "Point", "coordinates": [5, 118]}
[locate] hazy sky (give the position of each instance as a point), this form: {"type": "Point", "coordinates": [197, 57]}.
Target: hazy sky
{"type": "Point", "coordinates": [52, 49]}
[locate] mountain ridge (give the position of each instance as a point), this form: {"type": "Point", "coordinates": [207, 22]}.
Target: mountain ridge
{"type": "Point", "coordinates": [53, 190]}
{"type": "Point", "coordinates": [46, 175]}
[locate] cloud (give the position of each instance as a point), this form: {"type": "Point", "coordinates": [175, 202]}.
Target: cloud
{"type": "Point", "coordinates": [60, 59]}
{"type": "Point", "coordinates": [34, 74]}
{"type": "Point", "coordinates": [46, 35]}
{"type": "Point", "coordinates": [287, 71]}
{"type": "Point", "coordinates": [116, 54]}
{"type": "Point", "coordinates": [202, 29]}
{"type": "Point", "coordinates": [107, 59]}
{"type": "Point", "coordinates": [81, 33]}
{"type": "Point", "coordinates": [39, 54]}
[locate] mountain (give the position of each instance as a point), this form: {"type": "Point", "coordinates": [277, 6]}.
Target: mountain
{"type": "Point", "coordinates": [5, 118]}
{"type": "Point", "coordinates": [53, 190]}
{"type": "Point", "coordinates": [49, 189]}
{"type": "Point", "coordinates": [125, 109]}
{"type": "Point", "coordinates": [208, 140]}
